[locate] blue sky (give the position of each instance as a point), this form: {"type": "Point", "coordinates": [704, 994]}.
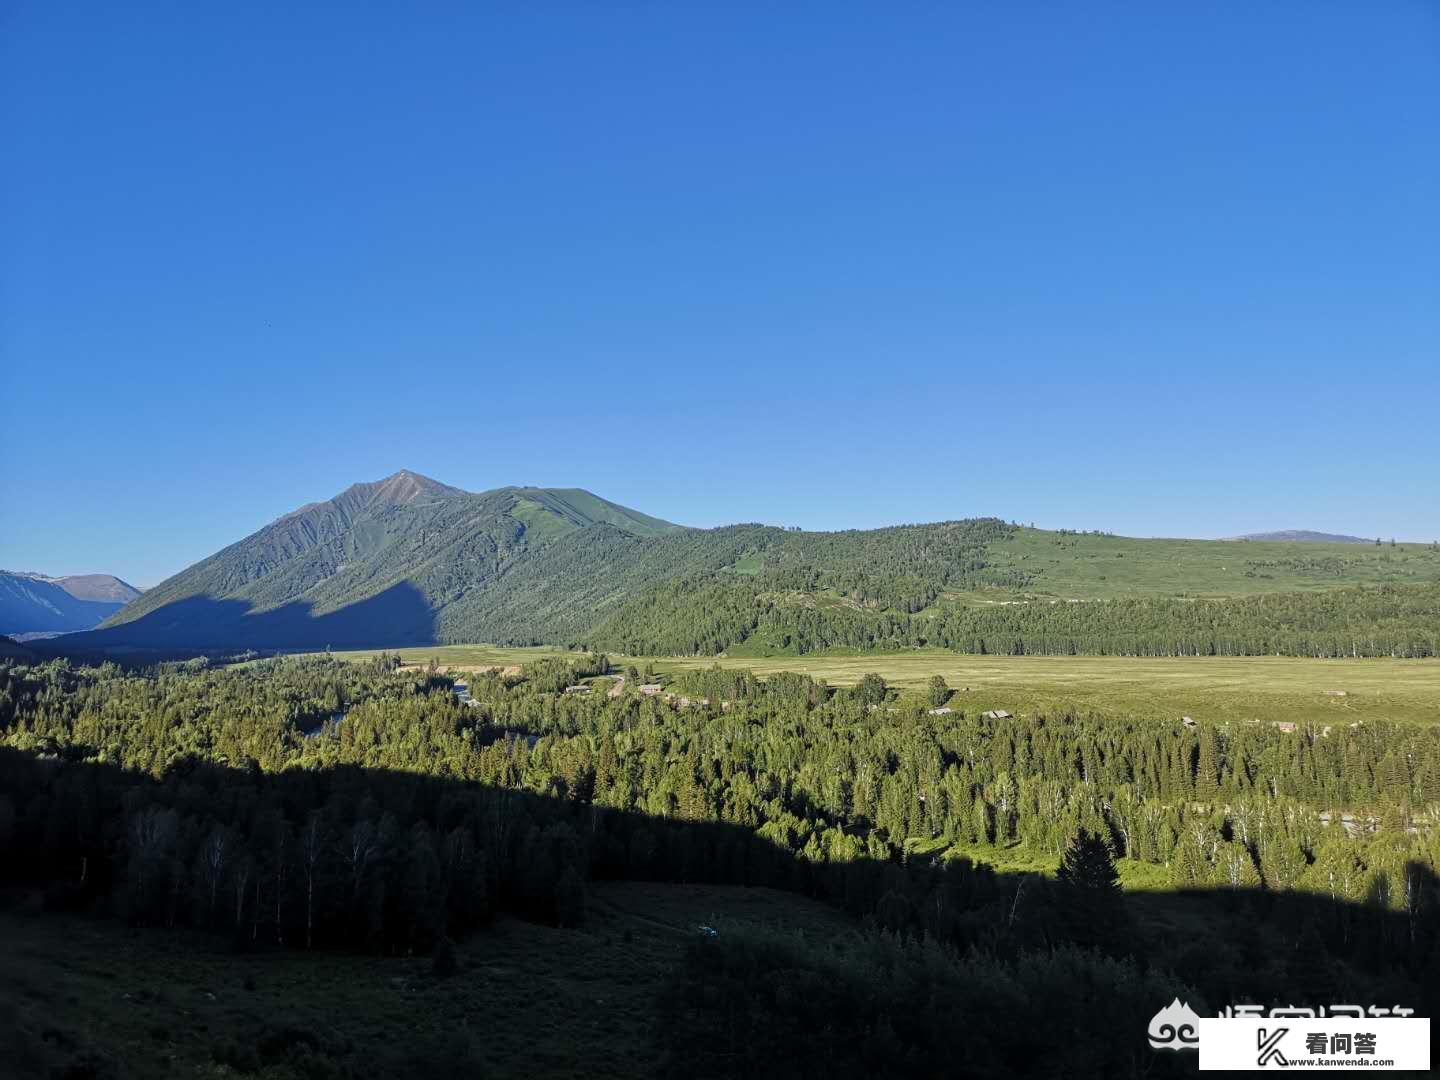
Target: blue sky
{"type": "Point", "coordinates": [1158, 269]}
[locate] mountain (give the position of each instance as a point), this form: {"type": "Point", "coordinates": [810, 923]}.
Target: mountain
{"type": "Point", "coordinates": [103, 588]}
{"type": "Point", "coordinates": [408, 560]}
{"type": "Point", "coordinates": [397, 561]}
{"type": "Point", "coordinates": [1305, 536]}
{"type": "Point", "coordinates": [34, 604]}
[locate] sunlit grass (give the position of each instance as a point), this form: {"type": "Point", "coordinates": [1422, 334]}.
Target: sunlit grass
{"type": "Point", "coordinates": [1209, 689]}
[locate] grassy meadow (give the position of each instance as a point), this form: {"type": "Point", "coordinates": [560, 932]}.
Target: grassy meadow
{"type": "Point", "coordinates": [1212, 689]}
{"type": "Point", "coordinates": [1089, 566]}
{"type": "Point", "coordinates": [1018, 858]}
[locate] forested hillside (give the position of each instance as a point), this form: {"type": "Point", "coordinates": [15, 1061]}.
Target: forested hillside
{"type": "Point", "coordinates": [410, 561]}
{"type": "Point", "coordinates": [696, 617]}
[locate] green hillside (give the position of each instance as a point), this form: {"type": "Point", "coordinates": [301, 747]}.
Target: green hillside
{"type": "Point", "coordinates": [1090, 566]}
{"type": "Point", "coordinates": [986, 587]}
{"type": "Point", "coordinates": [410, 561]}
{"type": "Point", "coordinates": [548, 508]}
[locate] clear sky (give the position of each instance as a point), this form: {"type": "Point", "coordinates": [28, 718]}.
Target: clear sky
{"type": "Point", "coordinates": [1162, 269]}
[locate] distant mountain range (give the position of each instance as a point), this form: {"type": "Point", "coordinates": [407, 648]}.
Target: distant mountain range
{"type": "Point", "coordinates": [1305, 536]}
{"type": "Point", "coordinates": [34, 605]}
{"type": "Point", "coordinates": [408, 560]}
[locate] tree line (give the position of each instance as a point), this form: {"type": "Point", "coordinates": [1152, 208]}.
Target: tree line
{"type": "Point", "coordinates": [699, 617]}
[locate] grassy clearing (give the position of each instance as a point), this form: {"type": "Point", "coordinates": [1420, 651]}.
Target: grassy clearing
{"type": "Point", "coordinates": [1019, 859]}
{"type": "Point", "coordinates": [1103, 567]}
{"type": "Point", "coordinates": [1210, 689]}
{"type": "Point", "coordinates": [528, 1000]}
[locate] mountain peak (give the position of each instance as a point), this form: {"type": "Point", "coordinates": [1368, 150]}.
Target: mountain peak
{"type": "Point", "coordinates": [397, 489]}
{"type": "Point", "coordinates": [403, 487]}
{"type": "Point", "coordinates": [106, 588]}
{"type": "Point", "coordinates": [407, 485]}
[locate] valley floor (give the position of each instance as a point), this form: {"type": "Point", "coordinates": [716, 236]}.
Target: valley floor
{"type": "Point", "coordinates": [528, 1000]}
{"type": "Point", "coordinates": [1209, 689]}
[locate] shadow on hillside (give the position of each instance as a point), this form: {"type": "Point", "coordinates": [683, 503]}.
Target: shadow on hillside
{"type": "Point", "coordinates": [399, 616]}
{"type": "Point", "coordinates": [32, 606]}
{"type": "Point", "coordinates": [394, 862]}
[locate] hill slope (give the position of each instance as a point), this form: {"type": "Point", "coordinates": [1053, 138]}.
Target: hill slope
{"type": "Point", "coordinates": [13, 650]}
{"type": "Point", "coordinates": [410, 561]}
{"type": "Point", "coordinates": [36, 604]}
{"type": "Point", "coordinates": [1304, 536]}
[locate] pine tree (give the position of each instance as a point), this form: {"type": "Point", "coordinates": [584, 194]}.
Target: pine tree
{"type": "Point", "coordinates": [1430, 777]}
{"type": "Point", "coordinates": [1207, 769]}
{"type": "Point", "coordinates": [1094, 911]}
{"type": "Point", "coordinates": [1088, 864]}
{"type": "Point", "coordinates": [938, 690]}
{"type": "Point", "coordinates": [1281, 863]}
{"type": "Point", "coordinates": [1394, 779]}
{"type": "Point", "coordinates": [1188, 865]}
{"type": "Point", "coordinates": [980, 822]}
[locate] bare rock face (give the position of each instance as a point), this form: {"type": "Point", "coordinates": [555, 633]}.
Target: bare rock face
{"type": "Point", "coordinates": [103, 587]}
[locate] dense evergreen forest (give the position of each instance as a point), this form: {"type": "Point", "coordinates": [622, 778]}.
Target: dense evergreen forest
{"type": "Point", "coordinates": [310, 804]}
{"type": "Point", "coordinates": [698, 617]}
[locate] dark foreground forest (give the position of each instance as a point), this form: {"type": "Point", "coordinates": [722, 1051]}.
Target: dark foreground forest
{"type": "Point", "coordinates": [309, 807]}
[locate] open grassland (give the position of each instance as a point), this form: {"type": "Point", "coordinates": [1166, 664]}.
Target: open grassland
{"type": "Point", "coordinates": [1017, 858]}
{"type": "Point", "coordinates": [528, 1000]}
{"type": "Point", "coordinates": [1093, 567]}
{"type": "Point", "coordinates": [1209, 689]}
